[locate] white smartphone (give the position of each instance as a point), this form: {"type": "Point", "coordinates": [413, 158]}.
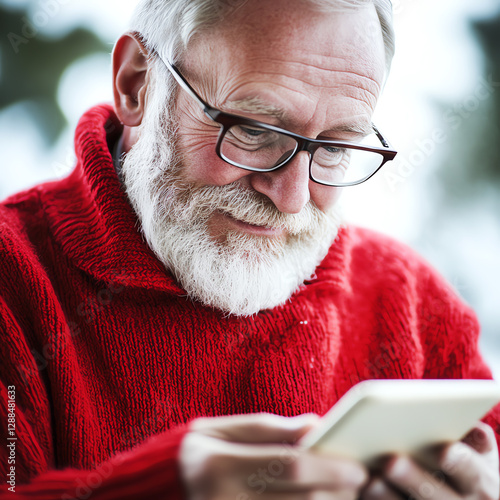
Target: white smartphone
{"type": "Point", "coordinates": [378, 417]}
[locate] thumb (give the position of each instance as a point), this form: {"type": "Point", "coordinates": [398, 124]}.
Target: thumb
{"type": "Point", "coordinates": [481, 438]}
{"type": "Point", "coordinates": [256, 427]}
{"type": "Point", "coordinates": [305, 423]}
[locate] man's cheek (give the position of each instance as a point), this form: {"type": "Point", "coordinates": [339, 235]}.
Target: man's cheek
{"type": "Point", "coordinates": [203, 167]}
{"type": "Point", "coordinates": [324, 197]}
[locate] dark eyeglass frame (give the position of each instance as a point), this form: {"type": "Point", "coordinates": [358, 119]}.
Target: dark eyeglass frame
{"type": "Point", "coordinates": [228, 120]}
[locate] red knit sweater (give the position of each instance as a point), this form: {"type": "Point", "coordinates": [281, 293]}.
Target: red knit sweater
{"type": "Point", "coordinates": [111, 362]}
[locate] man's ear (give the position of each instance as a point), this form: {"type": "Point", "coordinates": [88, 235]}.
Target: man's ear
{"type": "Point", "coordinates": [130, 65]}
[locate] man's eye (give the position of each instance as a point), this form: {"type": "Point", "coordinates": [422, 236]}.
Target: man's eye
{"type": "Point", "coordinates": [252, 135]}
{"type": "Point", "coordinates": [332, 151]}
{"type": "Point", "coordinates": [254, 132]}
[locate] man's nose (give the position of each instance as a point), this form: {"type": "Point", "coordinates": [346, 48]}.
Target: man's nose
{"type": "Point", "coordinates": [287, 187]}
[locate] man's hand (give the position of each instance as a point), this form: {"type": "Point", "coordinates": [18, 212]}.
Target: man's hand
{"type": "Point", "coordinates": [463, 470]}
{"type": "Point", "coordinates": [244, 457]}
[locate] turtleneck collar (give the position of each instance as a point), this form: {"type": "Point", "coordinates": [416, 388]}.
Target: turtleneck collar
{"type": "Point", "coordinates": [91, 217]}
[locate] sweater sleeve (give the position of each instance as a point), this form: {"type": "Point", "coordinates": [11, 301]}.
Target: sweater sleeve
{"type": "Point", "coordinates": [148, 472]}
{"type": "Point", "coordinates": [27, 455]}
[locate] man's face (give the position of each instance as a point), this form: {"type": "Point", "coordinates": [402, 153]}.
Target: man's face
{"type": "Point", "coordinates": [236, 240]}
{"type": "Point", "coordinates": [307, 72]}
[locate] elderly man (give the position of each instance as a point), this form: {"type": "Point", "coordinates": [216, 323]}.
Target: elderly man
{"type": "Point", "coordinates": [194, 264]}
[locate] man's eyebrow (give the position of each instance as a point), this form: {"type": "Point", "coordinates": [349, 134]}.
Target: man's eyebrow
{"type": "Point", "coordinates": [258, 106]}
{"type": "Point", "coordinates": [353, 128]}
{"type": "Point", "coordinates": [255, 105]}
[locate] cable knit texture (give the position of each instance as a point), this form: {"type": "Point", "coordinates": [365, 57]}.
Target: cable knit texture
{"type": "Point", "coordinates": [111, 362]}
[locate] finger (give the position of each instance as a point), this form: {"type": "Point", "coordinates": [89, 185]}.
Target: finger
{"type": "Point", "coordinates": [232, 490]}
{"type": "Point", "coordinates": [256, 427]}
{"type": "Point", "coordinates": [405, 475]}
{"type": "Point", "coordinates": [481, 438]}
{"type": "Point", "coordinates": [315, 495]}
{"type": "Point", "coordinates": [305, 471]}
{"type": "Point", "coordinates": [469, 471]}
{"type": "Point", "coordinates": [269, 466]}
{"type": "Point", "coordinates": [328, 495]}
{"type": "Point", "coordinates": [378, 489]}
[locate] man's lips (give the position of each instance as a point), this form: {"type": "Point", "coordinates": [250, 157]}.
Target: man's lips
{"type": "Point", "coordinates": [251, 228]}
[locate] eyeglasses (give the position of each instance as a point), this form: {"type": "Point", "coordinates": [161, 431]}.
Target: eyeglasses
{"type": "Point", "coordinates": [260, 147]}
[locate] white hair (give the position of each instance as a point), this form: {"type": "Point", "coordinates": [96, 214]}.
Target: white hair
{"type": "Point", "coordinates": [169, 25]}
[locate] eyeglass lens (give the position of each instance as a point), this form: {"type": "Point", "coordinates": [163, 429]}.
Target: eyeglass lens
{"type": "Point", "coordinates": [259, 148]}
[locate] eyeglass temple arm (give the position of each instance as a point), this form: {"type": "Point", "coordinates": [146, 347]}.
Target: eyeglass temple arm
{"type": "Point", "coordinates": [182, 82]}
{"type": "Point", "coordinates": [382, 139]}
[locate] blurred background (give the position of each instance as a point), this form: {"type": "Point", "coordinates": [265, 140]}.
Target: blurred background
{"type": "Point", "coordinates": [440, 109]}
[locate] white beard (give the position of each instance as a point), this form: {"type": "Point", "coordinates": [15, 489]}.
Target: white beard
{"type": "Point", "coordinates": [243, 274]}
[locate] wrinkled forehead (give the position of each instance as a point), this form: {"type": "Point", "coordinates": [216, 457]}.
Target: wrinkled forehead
{"type": "Point", "coordinates": [294, 38]}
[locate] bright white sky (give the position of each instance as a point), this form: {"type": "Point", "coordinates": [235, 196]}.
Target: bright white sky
{"type": "Point", "coordinates": [436, 61]}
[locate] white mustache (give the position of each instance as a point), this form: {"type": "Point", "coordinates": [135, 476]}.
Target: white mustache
{"type": "Point", "coordinates": [244, 205]}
